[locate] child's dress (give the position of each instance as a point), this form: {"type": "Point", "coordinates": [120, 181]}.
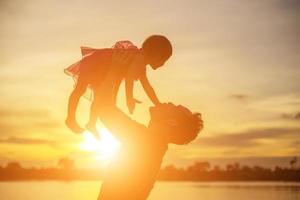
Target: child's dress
{"type": "Point", "coordinates": [95, 64]}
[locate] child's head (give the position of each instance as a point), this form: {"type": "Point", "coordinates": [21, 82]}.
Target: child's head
{"type": "Point", "coordinates": [158, 50]}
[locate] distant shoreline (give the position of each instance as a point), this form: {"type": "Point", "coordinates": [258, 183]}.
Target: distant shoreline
{"type": "Point", "coordinates": [158, 180]}
{"type": "Point", "coordinates": [197, 172]}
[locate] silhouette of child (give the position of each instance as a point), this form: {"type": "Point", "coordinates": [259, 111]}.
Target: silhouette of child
{"type": "Point", "coordinates": [91, 70]}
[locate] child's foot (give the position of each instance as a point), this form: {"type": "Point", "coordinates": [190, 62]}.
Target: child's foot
{"type": "Point", "coordinates": [92, 128]}
{"type": "Point", "coordinates": [73, 125]}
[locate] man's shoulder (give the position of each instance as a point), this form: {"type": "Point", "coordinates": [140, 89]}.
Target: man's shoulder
{"type": "Point", "coordinates": [156, 142]}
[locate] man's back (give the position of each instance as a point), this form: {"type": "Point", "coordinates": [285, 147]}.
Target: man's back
{"type": "Point", "coordinates": [132, 174]}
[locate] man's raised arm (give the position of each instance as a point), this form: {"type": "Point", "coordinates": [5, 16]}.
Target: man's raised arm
{"type": "Point", "coordinates": [117, 122]}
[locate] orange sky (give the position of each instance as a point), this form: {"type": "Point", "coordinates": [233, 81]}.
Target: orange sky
{"type": "Point", "coordinates": [236, 62]}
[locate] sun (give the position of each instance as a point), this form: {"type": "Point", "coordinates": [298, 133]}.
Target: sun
{"type": "Point", "coordinates": [105, 148]}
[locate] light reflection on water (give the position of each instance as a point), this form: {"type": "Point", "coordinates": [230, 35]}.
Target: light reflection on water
{"type": "Point", "coordinates": [77, 190]}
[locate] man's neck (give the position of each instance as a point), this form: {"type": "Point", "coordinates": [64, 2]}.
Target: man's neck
{"type": "Point", "coordinates": [163, 131]}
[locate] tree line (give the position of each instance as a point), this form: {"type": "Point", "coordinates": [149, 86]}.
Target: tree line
{"type": "Point", "coordinates": [198, 171]}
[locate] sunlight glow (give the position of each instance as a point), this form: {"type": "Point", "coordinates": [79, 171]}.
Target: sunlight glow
{"type": "Point", "coordinates": [105, 148]}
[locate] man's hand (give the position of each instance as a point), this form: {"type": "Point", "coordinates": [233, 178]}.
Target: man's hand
{"type": "Point", "coordinates": [131, 104]}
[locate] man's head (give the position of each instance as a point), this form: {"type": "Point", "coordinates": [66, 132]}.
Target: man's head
{"type": "Point", "coordinates": [158, 50]}
{"type": "Point", "coordinates": [181, 124]}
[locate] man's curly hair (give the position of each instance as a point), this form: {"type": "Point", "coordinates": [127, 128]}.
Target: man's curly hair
{"type": "Point", "coordinates": [184, 125]}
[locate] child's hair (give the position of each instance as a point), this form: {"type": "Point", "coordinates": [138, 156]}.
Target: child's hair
{"type": "Point", "coordinates": [157, 46]}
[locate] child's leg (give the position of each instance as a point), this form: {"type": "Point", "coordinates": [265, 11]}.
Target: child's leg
{"type": "Point", "coordinates": [91, 125]}
{"type": "Point", "coordinates": [116, 89]}
{"type": "Point", "coordinates": [72, 106]}
{"type": "Point", "coordinates": [93, 114]}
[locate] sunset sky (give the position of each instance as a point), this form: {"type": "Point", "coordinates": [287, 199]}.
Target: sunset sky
{"type": "Point", "coordinates": [235, 61]}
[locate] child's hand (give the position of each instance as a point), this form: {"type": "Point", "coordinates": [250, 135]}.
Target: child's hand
{"type": "Point", "coordinates": [74, 126]}
{"type": "Point", "coordinates": [131, 104]}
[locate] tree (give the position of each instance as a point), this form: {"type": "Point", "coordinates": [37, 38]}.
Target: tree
{"type": "Point", "coordinates": [293, 162]}
{"type": "Point", "coordinates": [199, 167]}
{"type": "Point", "coordinates": [66, 163]}
{"type": "Point", "coordinates": [13, 166]}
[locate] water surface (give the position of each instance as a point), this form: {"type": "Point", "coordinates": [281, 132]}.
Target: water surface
{"type": "Point", "coordinates": [78, 190]}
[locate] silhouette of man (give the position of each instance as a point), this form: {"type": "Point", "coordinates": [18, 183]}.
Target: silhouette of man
{"type": "Point", "coordinates": [131, 175]}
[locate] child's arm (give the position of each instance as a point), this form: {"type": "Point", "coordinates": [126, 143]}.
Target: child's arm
{"type": "Point", "coordinates": [129, 96]}
{"type": "Point", "coordinates": [73, 103]}
{"type": "Point", "coordinates": [148, 89]}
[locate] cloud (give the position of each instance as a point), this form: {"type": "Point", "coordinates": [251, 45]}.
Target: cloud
{"type": "Point", "coordinates": [28, 141]}
{"type": "Point", "coordinates": [289, 116]}
{"type": "Point", "coordinates": [292, 5]}
{"type": "Point", "coordinates": [296, 143]}
{"type": "Point", "coordinates": [239, 96]}
{"type": "Point", "coordinates": [248, 138]}
{"type": "Point", "coordinates": [9, 128]}
{"type": "Point", "coordinates": [32, 113]}
{"type": "Point", "coordinates": [14, 121]}
{"type": "Point", "coordinates": [47, 124]}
